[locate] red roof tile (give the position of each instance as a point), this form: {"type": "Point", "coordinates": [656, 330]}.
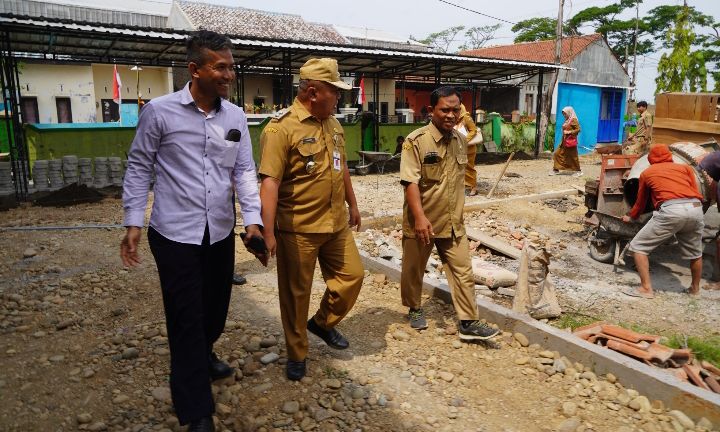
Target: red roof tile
{"type": "Point", "coordinates": [542, 51]}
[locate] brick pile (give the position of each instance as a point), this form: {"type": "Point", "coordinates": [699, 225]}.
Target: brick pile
{"type": "Point", "coordinates": [648, 349]}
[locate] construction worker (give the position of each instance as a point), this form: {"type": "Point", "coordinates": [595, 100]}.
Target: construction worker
{"type": "Point", "coordinates": [432, 171]}
{"type": "Point", "coordinates": [639, 142]}
{"type": "Point", "coordinates": [711, 165]}
{"type": "Point", "coordinates": [305, 185]}
{"type": "Point", "coordinates": [678, 211]}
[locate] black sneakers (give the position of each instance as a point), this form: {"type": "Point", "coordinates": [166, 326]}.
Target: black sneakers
{"type": "Point", "coordinates": [417, 319]}
{"type": "Point", "coordinates": [476, 330]}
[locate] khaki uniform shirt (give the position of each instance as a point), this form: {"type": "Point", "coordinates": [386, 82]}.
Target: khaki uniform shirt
{"type": "Point", "coordinates": [308, 202]}
{"type": "Point", "coordinates": [644, 126]}
{"type": "Point", "coordinates": [441, 184]}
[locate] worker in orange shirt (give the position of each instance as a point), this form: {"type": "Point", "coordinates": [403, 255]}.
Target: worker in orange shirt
{"type": "Point", "coordinates": [678, 211]}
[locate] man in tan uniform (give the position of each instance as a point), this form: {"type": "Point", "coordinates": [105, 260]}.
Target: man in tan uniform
{"type": "Point", "coordinates": [305, 185]}
{"type": "Point", "coordinates": [432, 170]}
{"type": "Point", "coordinates": [639, 142]}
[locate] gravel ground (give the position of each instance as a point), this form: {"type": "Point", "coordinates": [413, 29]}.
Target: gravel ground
{"type": "Point", "coordinates": [83, 342]}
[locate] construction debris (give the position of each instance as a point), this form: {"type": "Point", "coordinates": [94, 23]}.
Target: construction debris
{"type": "Point", "coordinates": [648, 349]}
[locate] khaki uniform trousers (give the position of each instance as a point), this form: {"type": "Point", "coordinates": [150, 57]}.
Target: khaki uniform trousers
{"type": "Point", "coordinates": [341, 268]}
{"type": "Point", "coordinates": [455, 255]}
{"type": "Point", "coordinates": [639, 145]}
{"type": "Point", "coordinates": [470, 171]}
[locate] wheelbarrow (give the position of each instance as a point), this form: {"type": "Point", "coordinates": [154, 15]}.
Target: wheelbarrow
{"type": "Point", "coordinates": [370, 158]}
{"type": "Point", "coordinates": [608, 242]}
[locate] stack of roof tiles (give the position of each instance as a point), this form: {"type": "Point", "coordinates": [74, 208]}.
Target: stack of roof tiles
{"type": "Point", "coordinates": [254, 23]}
{"type": "Point", "coordinates": [648, 349]}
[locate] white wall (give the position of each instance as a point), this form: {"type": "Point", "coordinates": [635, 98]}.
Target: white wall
{"type": "Point", "coordinates": [46, 82]}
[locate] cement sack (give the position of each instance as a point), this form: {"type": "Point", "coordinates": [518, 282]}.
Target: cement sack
{"type": "Point", "coordinates": [535, 292]}
{"type": "Point", "coordinates": [493, 276]}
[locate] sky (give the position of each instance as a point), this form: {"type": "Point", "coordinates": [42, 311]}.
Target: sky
{"type": "Point", "coordinates": [422, 17]}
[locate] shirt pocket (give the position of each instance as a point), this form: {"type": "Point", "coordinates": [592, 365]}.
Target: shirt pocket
{"type": "Point", "coordinates": [462, 159]}
{"type": "Point", "coordinates": [225, 152]}
{"type": "Point", "coordinates": [311, 158]}
{"type": "Point", "coordinates": [431, 172]}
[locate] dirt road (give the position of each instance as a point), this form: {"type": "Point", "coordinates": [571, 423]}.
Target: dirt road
{"type": "Point", "coordinates": [83, 341]}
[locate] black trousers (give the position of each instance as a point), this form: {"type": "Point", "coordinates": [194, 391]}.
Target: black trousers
{"type": "Point", "coordinates": [196, 282]}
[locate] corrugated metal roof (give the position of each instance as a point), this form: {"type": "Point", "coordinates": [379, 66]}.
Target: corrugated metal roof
{"type": "Point", "coordinates": [106, 44]}
{"type": "Point", "coordinates": [258, 24]}
{"type": "Point", "coordinates": [45, 9]}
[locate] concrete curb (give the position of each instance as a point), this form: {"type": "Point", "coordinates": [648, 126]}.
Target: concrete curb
{"type": "Point", "coordinates": [675, 394]}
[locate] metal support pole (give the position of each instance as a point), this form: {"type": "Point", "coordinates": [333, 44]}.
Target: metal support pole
{"type": "Point", "coordinates": [474, 101]}
{"type": "Point", "coordinates": [538, 110]}
{"type": "Point", "coordinates": [242, 87]}
{"type": "Point", "coordinates": [10, 91]}
{"type": "Point", "coordinates": [438, 69]}
{"type": "Point", "coordinates": [237, 91]}
{"type": "Point", "coordinates": [376, 113]}
{"type": "Point", "coordinates": [287, 78]}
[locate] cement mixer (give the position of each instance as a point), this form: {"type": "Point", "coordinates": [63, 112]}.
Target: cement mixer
{"type": "Point", "coordinates": [614, 193]}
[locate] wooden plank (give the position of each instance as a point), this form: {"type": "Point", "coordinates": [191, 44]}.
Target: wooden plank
{"type": "Point", "coordinates": [661, 106]}
{"type": "Point", "coordinates": [671, 136]}
{"type": "Point", "coordinates": [687, 125]}
{"type": "Point", "coordinates": [706, 107]}
{"type": "Point", "coordinates": [697, 112]}
{"type": "Point", "coordinates": [682, 107]}
{"type": "Point", "coordinates": [493, 243]}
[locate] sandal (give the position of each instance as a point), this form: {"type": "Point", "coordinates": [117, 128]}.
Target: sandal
{"type": "Point", "coordinates": [689, 291]}
{"type": "Point", "coordinates": [634, 292]}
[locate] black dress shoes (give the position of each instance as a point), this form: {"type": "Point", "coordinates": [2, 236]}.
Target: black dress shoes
{"type": "Point", "coordinates": [295, 370]}
{"type": "Point", "coordinates": [238, 279]}
{"type": "Point", "coordinates": [332, 337]}
{"type": "Point", "coordinates": [218, 369]}
{"type": "Point", "coordinates": [204, 424]}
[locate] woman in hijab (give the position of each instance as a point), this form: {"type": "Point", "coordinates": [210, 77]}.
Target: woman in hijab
{"type": "Point", "coordinates": [566, 155]}
{"type": "Point", "coordinates": [466, 126]}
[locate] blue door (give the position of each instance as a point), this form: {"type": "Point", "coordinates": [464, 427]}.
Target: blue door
{"type": "Point", "coordinates": [611, 101]}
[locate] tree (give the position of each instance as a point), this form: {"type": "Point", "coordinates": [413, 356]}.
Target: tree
{"type": "Point", "coordinates": [441, 40]}
{"type": "Point", "coordinates": [535, 29]}
{"type": "Point", "coordinates": [681, 69]}
{"type": "Point", "coordinates": [711, 52]}
{"type": "Point", "coordinates": [479, 36]}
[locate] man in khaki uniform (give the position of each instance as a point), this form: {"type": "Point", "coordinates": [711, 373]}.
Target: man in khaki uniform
{"type": "Point", "coordinates": [432, 170]}
{"type": "Point", "coordinates": [305, 185]}
{"type": "Point", "coordinates": [639, 142]}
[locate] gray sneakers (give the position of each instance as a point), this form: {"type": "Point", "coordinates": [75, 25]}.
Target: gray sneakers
{"type": "Point", "coordinates": [476, 330]}
{"type": "Point", "coordinates": [417, 319]}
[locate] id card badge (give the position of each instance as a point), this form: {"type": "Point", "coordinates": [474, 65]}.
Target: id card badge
{"type": "Point", "coordinates": [336, 160]}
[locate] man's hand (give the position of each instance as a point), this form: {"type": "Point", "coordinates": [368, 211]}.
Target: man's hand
{"type": "Point", "coordinates": [253, 231]}
{"type": "Point", "coordinates": [354, 218]}
{"type": "Point", "coordinates": [129, 245]}
{"type": "Point", "coordinates": [626, 219]}
{"type": "Point", "coordinates": [423, 230]}
{"type": "Point", "coordinates": [271, 243]}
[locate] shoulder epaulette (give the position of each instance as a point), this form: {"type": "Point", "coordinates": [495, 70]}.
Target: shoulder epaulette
{"type": "Point", "coordinates": [416, 133]}
{"type": "Point", "coordinates": [280, 114]}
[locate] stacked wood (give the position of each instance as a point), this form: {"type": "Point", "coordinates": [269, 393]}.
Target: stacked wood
{"type": "Point", "coordinates": [686, 117]}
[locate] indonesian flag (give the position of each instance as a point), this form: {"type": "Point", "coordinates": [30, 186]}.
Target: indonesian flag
{"type": "Point", "coordinates": [117, 86]}
{"type": "Point", "coordinates": [361, 92]}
